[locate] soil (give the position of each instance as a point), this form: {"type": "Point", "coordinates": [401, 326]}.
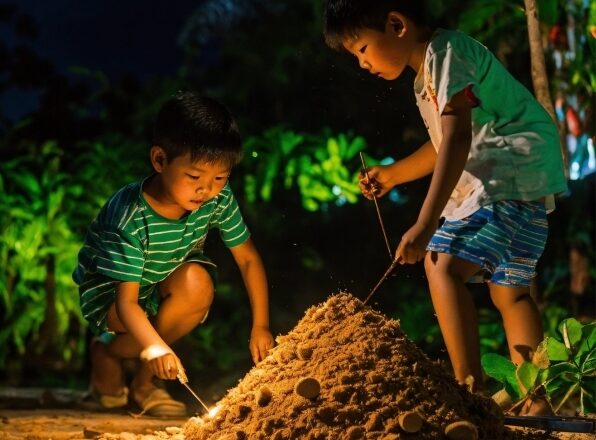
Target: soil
{"type": "Point", "coordinates": [348, 372]}
{"type": "Point", "coordinates": [344, 372]}
{"type": "Point", "coordinates": [62, 424]}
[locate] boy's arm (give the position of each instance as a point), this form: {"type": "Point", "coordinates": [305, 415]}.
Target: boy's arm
{"type": "Point", "coordinates": [163, 363]}
{"type": "Point", "coordinates": [253, 274]}
{"type": "Point", "coordinates": [456, 122]}
{"type": "Point", "coordinates": [415, 166]}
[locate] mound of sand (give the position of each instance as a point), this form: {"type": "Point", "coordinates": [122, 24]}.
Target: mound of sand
{"type": "Point", "coordinates": [348, 372]}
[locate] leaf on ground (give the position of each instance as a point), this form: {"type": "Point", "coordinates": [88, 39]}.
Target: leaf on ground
{"type": "Point", "coordinates": [527, 373]}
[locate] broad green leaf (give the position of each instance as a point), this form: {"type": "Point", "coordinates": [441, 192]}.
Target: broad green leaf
{"type": "Point", "coordinates": [557, 351]}
{"type": "Point", "coordinates": [503, 370]}
{"type": "Point", "coordinates": [332, 147]}
{"type": "Point", "coordinates": [556, 371]}
{"type": "Point", "coordinates": [290, 173]}
{"type": "Point", "coordinates": [527, 374]}
{"type": "Point", "coordinates": [342, 142]}
{"type": "Point", "coordinates": [589, 364]}
{"type": "Point", "coordinates": [357, 144]}
{"type": "Point", "coordinates": [571, 330]}
{"type": "Point", "coordinates": [250, 188]}
{"type": "Point", "coordinates": [310, 205]}
{"type": "Point", "coordinates": [289, 141]}
{"type": "Point", "coordinates": [587, 343]}
{"type": "Point", "coordinates": [27, 182]}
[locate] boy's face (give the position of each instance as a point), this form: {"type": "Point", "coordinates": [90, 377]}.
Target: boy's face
{"type": "Point", "coordinates": [189, 184]}
{"type": "Point", "coordinates": [384, 54]}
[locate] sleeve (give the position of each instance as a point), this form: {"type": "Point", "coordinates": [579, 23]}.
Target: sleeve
{"type": "Point", "coordinates": [450, 72]}
{"type": "Point", "coordinates": [118, 254]}
{"type": "Point", "coordinates": [228, 219]}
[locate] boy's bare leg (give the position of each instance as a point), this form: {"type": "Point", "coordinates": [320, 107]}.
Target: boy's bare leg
{"type": "Point", "coordinates": [521, 320]}
{"type": "Point", "coordinates": [456, 312]}
{"type": "Point", "coordinates": [523, 328]}
{"type": "Point", "coordinates": [187, 295]}
{"type": "Point", "coordinates": [106, 373]}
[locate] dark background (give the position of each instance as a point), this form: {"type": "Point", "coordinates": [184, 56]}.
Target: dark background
{"type": "Point", "coordinates": [79, 74]}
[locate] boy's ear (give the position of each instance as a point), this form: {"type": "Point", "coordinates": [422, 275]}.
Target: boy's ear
{"type": "Point", "coordinates": [158, 158]}
{"type": "Point", "coordinates": [397, 22]}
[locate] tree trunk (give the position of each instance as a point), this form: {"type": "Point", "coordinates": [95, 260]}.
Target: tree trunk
{"type": "Point", "coordinates": [539, 76]}
{"type": "Point", "coordinates": [49, 327]}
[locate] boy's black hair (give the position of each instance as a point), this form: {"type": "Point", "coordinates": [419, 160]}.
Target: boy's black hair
{"type": "Point", "coordinates": [344, 18]}
{"type": "Point", "coordinates": [188, 122]}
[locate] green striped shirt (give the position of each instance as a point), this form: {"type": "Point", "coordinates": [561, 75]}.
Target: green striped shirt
{"type": "Point", "coordinates": [129, 241]}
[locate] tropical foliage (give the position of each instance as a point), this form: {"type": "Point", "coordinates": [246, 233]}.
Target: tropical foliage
{"type": "Point", "coordinates": [564, 368]}
{"type": "Point", "coordinates": [323, 168]}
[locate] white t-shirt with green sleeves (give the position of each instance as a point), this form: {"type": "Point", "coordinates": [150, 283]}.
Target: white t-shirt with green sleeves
{"type": "Point", "coordinates": [129, 241]}
{"type": "Point", "coordinates": [515, 152]}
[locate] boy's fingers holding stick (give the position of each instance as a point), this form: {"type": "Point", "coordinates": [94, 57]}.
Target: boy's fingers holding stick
{"type": "Point", "coordinates": [162, 361]}
{"type": "Point", "coordinates": [166, 366]}
{"type": "Point", "coordinates": [368, 186]}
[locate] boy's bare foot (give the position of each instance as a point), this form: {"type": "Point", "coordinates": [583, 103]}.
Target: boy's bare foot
{"type": "Point", "coordinates": [107, 377]}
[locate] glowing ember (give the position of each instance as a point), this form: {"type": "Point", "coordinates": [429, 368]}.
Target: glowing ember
{"type": "Point", "coordinates": [213, 411]}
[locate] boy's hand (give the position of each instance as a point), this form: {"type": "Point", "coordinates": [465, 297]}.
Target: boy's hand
{"type": "Point", "coordinates": [261, 341]}
{"type": "Point", "coordinates": [380, 181]}
{"type": "Point", "coordinates": [162, 361]}
{"type": "Point", "coordinates": [412, 247]}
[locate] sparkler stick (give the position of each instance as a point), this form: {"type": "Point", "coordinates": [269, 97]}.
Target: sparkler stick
{"type": "Point", "coordinates": [383, 278]}
{"type": "Point", "coordinates": [364, 170]}
{"type": "Point", "coordinates": [183, 379]}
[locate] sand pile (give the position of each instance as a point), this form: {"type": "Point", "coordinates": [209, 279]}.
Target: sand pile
{"type": "Point", "coordinates": [348, 372]}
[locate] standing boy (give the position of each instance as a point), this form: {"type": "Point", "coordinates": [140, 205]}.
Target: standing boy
{"type": "Point", "coordinates": [143, 279]}
{"type": "Point", "coordinates": [495, 161]}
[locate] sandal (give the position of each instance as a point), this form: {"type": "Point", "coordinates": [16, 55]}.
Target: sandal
{"type": "Point", "coordinates": [160, 404]}
{"type": "Point", "coordinates": [94, 401]}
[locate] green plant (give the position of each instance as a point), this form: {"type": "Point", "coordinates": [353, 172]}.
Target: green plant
{"type": "Point", "coordinates": [44, 212]}
{"type": "Point", "coordinates": [490, 331]}
{"type": "Point", "coordinates": [323, 168]}
{"type": "Point", "coordinates": [37, 254]}
{"type": "Point", "coordinates": [562, 369]}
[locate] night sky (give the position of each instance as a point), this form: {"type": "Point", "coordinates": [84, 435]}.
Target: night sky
{"type": "Point", "coordinates": [116, 37]}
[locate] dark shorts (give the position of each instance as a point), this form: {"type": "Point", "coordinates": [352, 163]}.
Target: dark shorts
{"type": "Point", "coordinates": [505, 238]}
{"type": "Point", "coordinates": [149, 297]}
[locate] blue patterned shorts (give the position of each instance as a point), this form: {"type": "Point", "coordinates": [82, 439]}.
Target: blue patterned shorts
{"type": "Point", "coordinates": [505, 238]}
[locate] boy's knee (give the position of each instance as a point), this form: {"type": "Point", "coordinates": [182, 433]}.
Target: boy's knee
{"type": "Point", "coordinates": [193, 285]}
{"type": "Point", "coordinates": [505, 298]}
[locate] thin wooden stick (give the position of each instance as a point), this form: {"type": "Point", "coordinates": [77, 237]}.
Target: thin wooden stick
{"type": "Point", "coordinates": [376, 206]}
{"type": "Point", "coordinates": [383, 278]}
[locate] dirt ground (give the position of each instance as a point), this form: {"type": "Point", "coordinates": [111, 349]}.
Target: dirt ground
{"type": "Point", "coordinates": [344, 372]}
{"type": "Point", "coordinates": [61, 424]}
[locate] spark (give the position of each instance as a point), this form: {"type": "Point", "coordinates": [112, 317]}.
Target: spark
{"type": "Point", "coordinates": [213, 411]}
